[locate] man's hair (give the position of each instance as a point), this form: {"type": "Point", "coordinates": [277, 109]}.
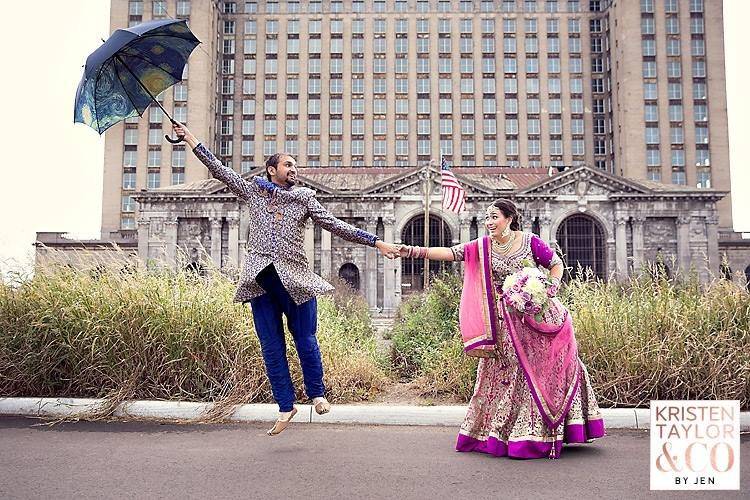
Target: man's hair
{"type": "Point", "coordinates": [273, 161]}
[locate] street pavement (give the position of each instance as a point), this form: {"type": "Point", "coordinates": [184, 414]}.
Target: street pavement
{"type": "Point", "coordinates": [153, 460]}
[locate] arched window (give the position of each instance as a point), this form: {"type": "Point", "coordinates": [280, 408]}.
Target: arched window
{"type": "Point", "coordinates": [350, 273]}
{"type": "Point", "coordinates": [412, 270]}
{"type": "Point", "coordinates": [581, 239]}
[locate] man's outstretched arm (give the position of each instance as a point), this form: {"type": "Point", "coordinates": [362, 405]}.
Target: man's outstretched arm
{"type": "Point", "coordinates": [329, 222]}
{"type": "Point", "coordinates": [232, 179]}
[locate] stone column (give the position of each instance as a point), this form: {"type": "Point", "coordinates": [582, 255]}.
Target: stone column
{"type": "Point", "coordinates": [234, 242]}
{"type": "Point", "coordinates": [144, 225]}
{"type": "Point", "coordinates": [170, 235]}
{"type": "Point", "coordinates": [325, 254]}
{"type": "Point", "coordinates": [371, 267]}
{"type": "Point", "coordinates": [683, 242]}
{"type": "Point", "coordinates": [712, 236]}
{"type": "Point", "coordinates": [545, 227]}
{"type": "Point", "coordinates": [391, 273]}
{"type": "Point", "coordinates": [638, 247]}
{"type": "Point", "coordinates": [464, 228]}
{"type": "Point", "coordinates": [621, 246]}
{"type": "Point", "coordinates": [216, 241]}
{"type": "Point", "coordinates": [528, 221]}
{"type": "Point", "coordinates": [310, 242]}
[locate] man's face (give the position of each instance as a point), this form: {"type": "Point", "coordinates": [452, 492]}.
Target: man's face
{"type": "Point", "coordinates": [285, 172]}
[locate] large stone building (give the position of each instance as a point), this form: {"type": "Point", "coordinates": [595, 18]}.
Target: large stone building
{"type": "Point", "coordinates": [630, 95]}
{"type": "Point", "coordinates": [604, 222]}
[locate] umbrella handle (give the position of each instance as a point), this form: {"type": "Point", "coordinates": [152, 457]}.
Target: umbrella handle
{"type": "Point", "coordinates": [174, 141]}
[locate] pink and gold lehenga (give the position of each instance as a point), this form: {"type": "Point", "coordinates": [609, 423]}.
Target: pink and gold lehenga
{"type": "Point", "coordinates": [532, 392]}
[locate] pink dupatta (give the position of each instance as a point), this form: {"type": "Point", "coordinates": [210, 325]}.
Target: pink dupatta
{"type": "Point", "coordinates": [547, 351]}
{"type": "Point", "coordinates": [477, 314]}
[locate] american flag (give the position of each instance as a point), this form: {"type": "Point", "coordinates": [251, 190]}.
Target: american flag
{"type": "Point", "coordinates": [453, 193]}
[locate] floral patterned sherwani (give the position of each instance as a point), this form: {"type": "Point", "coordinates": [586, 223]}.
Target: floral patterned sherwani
{"type": "Point", "coordinates": [276, 231]}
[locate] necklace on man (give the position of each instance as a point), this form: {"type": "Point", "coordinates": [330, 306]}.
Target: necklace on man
{"type": "Point", "coordinates": [504, 247]}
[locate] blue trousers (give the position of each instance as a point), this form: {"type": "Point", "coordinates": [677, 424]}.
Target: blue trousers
{"type": "Point", "coordinates": [302, 321]}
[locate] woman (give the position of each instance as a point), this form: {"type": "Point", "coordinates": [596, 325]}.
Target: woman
{"type": "Point", "coordinates": [532, 392]}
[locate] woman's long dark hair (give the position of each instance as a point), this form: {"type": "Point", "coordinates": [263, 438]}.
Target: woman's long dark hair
{"type": "Point", "coordinates": [509, 210]}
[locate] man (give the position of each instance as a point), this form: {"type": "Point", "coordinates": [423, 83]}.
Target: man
{"type": "Point", "coordinates": [276, 279]}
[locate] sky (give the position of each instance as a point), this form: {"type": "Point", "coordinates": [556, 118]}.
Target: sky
{"type": "Point", "coordinates": [51, 178]}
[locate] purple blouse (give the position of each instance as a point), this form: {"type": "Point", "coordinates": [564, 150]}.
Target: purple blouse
{"type": "Point", "coordinates": [543, 254]}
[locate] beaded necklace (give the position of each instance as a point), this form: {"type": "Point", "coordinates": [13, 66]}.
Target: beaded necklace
{"type": "Point", "coordinates": [504, 247]}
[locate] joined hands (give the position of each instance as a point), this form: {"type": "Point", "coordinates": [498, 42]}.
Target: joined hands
{"type": "Point", "coordinates": [389, 250]}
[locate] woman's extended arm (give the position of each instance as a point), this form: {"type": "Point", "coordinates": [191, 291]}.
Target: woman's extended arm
{"type": "Point", "coordinates": [432, 253]}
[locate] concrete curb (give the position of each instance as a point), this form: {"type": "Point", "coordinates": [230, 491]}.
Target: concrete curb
{"type": "Point", "coordinates": [370, 414]}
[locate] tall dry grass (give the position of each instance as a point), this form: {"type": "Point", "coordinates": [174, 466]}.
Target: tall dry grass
{"type": "Point", "coordinates": [660, 338]}
{"type": "Point", "coordinates": [648, 338]}
{"type": "Point", "coordinates": [123, 333]}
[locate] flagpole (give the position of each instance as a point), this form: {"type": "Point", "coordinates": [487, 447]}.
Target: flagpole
{"type": "Point", "coordinates": [426, 270]}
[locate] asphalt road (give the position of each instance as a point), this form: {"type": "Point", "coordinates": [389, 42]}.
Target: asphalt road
{"type": "Point", "coordinates": [152, 460]}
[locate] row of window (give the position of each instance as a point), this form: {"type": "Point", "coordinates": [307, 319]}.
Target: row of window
{"type": "Point", "coordinates": [158, 8]}
{"type": "Point", "coordinates": [130, 157]}
{"type": "Point", "coordinates": [401, 147]}
{"type": "Point", "coordinates": [653, 157]}
{"type": "Point", "coordinates": [153, 181]}
{"type": "Point", "coordinates": [672, 26]}
{"type": "Point", "coordinates": [401, 127]}
{"type": "Point", "coordinates": [675, 114]}
{"type": "Point", "coordinates": [401, 27]}
{"type": "Point", "coordinates": [671, 6]}
{"type": "Point", "coordinates": [401, 86]}
{"type": "Point", "coordinates": [361, 6]}
{"type": "Point", "coordinates": [380, 106]}
{"type": "Point", "coordinates": [401, 47]}
{"type": "Point", "coordinates": [676, 134]}
{"type": "Point", "coordinates": [673, 47]}
{"type": "Point", "coordinates": [698, 69]}
{"type": "Point", "coordinates": [402, 66]}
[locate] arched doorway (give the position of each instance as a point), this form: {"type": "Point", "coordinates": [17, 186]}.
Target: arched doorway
{"type": "Point", "coordinates": [350, 273]}
{"type": "Point", "coordinates": [583, 246]}
{"type": "Point", "coordinates": [412, 270]}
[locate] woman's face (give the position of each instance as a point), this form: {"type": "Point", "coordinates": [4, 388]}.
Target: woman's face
{"type": "Point", "coordinates": [495, 222]}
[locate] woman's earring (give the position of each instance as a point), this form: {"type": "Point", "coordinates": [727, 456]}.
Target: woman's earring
{"type": "Point", "coordinates": [506, 231]}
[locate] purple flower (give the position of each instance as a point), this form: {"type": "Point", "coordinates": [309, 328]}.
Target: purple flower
{"type": "Point", "coordinates": [526, 296]}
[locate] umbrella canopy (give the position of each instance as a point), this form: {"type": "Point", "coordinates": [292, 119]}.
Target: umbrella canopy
{"type": "Point", "coordinates": [122, 76]}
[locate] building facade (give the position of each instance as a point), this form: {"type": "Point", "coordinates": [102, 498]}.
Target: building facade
{"type": "Point", "coordinates": [606, 223]}
{"type": "Point", "coordinates": [635, 88]}
{"type": "Point", "coordinates": [628, 95]}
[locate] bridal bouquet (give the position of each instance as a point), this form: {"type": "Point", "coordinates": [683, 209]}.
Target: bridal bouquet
{"type": "Point", "coordinates": [528, 292]}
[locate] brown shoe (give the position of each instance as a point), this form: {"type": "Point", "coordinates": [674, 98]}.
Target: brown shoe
{"type": "Point", "coordinates": [282, 424]}
{"type": "Point", "coordinates": [322, 407]}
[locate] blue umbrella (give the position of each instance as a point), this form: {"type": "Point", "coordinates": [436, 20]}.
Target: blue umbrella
{"type": "Point", "coordinates": [122, 76]}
